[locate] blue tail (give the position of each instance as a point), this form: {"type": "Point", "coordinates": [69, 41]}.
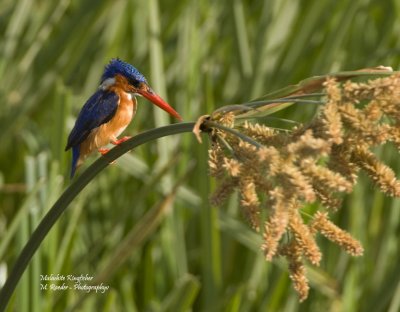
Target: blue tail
{"type": "Point", "coordinates": [75, 157]}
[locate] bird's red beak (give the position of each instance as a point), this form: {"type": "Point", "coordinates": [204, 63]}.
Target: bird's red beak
{"type": "Point", "coordinates": [149, 94]}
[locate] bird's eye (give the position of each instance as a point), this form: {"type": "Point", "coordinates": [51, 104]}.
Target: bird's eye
{"type": "Point", "coordinates": [134, 82]}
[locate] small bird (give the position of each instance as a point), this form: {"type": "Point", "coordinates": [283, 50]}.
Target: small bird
{"type": "Point", "coordinates": [110, 110]}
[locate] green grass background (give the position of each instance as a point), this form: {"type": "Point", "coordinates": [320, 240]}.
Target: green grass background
{"type": "Point", "coordinates": [157, 249]}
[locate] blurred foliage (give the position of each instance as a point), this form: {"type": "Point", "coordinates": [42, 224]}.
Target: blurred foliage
{"type": "Point", "coordinates": [199, 55]}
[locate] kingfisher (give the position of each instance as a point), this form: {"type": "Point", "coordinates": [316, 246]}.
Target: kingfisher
{"type": "Point", "coordinates": [108, 112]}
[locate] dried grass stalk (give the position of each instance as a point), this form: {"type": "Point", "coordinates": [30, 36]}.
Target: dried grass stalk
{"type": "Point", "coordinates": [276, 173]}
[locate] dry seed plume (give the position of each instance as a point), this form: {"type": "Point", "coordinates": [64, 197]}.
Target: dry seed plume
{"type": "Point", "coordinates": [315, 162]}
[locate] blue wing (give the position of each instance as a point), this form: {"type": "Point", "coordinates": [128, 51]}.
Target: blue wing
{"type": "Point", "coordinates": [99, 109]}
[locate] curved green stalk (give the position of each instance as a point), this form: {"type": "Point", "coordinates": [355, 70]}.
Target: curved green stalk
{"type": "Point", "coordinates": [70, 193]}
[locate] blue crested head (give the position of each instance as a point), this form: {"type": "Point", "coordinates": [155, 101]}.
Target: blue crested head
{"type": "Point", "coordinates": [116, 66]}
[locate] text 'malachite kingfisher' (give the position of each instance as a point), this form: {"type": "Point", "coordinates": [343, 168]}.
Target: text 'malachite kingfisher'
{"type": "Point", "coordinates": [110, 110]}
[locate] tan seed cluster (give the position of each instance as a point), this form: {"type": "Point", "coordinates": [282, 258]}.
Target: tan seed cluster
{"type": "Point", "coordinates": [297, 269]}
{"type": "Point", "coordinates": [332, 232]}
{"type": "Point", "coordinates": [276, 173]}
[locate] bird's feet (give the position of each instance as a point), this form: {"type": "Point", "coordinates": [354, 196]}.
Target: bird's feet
{"type": "Point", "coordinates": [104, 151]}
{"type": "Point", "coordinates": [122, 140]}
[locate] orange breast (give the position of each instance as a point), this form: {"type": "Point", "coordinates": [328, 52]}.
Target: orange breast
{"type": "Point", "coordinates": [109, 131]}
{"type": "Point", "coordinates": [122, 118]}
